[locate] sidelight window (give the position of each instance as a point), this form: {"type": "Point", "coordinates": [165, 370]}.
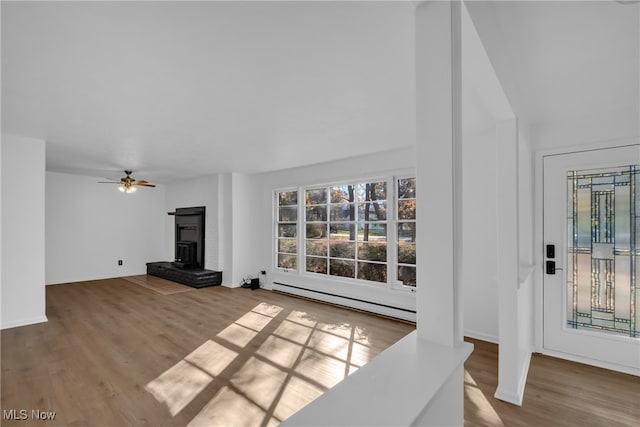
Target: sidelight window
{"type": "Point", "coordinates": [287, 229]}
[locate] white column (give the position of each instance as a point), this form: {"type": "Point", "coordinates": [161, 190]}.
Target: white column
{"type": "Point", "coordinates": [439, 171]}
{"type": "Point", "coordinates": [509, 369]}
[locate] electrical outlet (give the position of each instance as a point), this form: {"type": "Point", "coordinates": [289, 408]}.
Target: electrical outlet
{"type": "Point", "coordinates": [119, 262]}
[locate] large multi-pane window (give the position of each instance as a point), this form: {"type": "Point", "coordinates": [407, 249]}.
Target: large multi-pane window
{"type": "Point", "coordinates": [345, 231]}
{"type": "Point", "coordinates": [287, 229]}
{"type": "Point", "coordinates": [406, 222]}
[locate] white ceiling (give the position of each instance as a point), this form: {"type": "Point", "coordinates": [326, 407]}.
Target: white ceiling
{"type": "Point", "coordinates": [180, 89]}
{"type": "Point", "coordinates": [183, 89]}
{"type": "Point", "coordinates": [564, 60]}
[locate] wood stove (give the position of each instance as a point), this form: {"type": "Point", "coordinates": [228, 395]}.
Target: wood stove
{"type": "Point", "coordinates": [189, 237]}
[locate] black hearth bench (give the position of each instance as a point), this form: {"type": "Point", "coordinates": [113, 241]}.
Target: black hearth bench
{"type": "Point", "coordinates": [196, 277]}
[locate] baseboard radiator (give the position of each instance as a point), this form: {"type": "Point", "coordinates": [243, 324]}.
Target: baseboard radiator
{"type": "Point", "coordinates": [351, 302]}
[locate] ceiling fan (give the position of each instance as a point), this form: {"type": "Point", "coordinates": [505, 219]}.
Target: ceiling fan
{"type": "Point", "coordinates": [128, 184]}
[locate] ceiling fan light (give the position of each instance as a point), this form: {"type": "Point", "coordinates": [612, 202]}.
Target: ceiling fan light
{"type": "Point", "coordinates": [121, 188]}
{"type": "Point", "coordinates": [132, 189]}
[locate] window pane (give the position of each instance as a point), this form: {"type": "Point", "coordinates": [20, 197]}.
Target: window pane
{"type": "Point", "coordinates": [372, 191]}
{"type": "Point", "coordinates": [340, 249]}
{"type": "Point", "coordinates": [407, 275]}
{"type": "Point", "coordinates": [342, 268]}
{"type": "Point", "coordinates": [343, 212]}
{"type": "Point", "coordinates": [372, 272]}
{"type": "Point", "coordinates": [317, 247]}
{"type": "Point", "coordinates": [316, 265]}
{"type": "Point", "coordinates": [368, 232]}
{"type": "Point", "coordinates": [317, 213]}
{"type": "Point", "coordinates": [342, 231]}
{"type": "Point", "coordinates": [289, 246]}
{"type": "Point", "coordinates": [373, 211]}
{"type": "Point", "coordinates": [407, 232]}
{"type": "Point", "coordinates": [407, 188]}
{"type": "Point", "coordinates": [342, 193]}
{"type": "Point", "coordinates": [316, 196]}
{"type": "Point", "coordinates": [288, 214]}
{"type": "Point", "coordinates": [287, 261]}
{"type": "Point", "coordinates": [287, 230]}
{"type": "Point", "coordinates": [407, 209]}
{"type": "Point", "coordinates": [373, 251]}
{"type": "Point", "coordinates": [406, 253]}
{"type": "Point", "coordinates": [316, 231]}
{"type": "Point", "coordinates": [288, 198]}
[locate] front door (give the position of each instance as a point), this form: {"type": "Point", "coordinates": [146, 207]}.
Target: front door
{"type": "Point", "coordinates": [591, 294]}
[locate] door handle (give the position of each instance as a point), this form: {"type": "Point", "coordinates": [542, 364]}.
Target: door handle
{"type": "Point", "coordinates": [551, 268]}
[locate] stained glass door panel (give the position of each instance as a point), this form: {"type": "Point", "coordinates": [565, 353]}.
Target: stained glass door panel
{"type": "Point", "coordinates": [602, 221]}
{"type": "Point", "coordinates": [591, 303]}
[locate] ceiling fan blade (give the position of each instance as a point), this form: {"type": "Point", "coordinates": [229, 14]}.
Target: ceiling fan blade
{"type": "Point", "coordinates": [144, 185]}
{"type": "Point", "coordinates": [140, 181]}
{"type": "Point", "coordinates": [108, 182]}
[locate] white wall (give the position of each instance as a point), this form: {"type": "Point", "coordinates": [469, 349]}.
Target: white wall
{"type": "Point", "coordinates": [244, 215]}
{"type": "Point", "coordinates": [479, 273]}
{"type": "Point", "coordinates": [90, 226]}
{"type": "Point", "coordinates": [586, 131]}
{"type": "Point", "coordinates": [201, 191]}
{"type": "Point", "coordinates": [257, 241]}
{"type": "Point", "coordinates": [23, 235]}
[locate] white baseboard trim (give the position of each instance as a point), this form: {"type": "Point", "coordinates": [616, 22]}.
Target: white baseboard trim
{"type": "Point", "coordinates": [231, 285]}
{"type": "Point", "coordinates": [372, 307]}
{"type": "Point", "coordinates": [592, 362]}
{"type": "Point", "coordinates": [481, 336]}
{"type": "Point", "coordinates": [24, 322]}
{"type": "Point", "coordinates": [508, 396]}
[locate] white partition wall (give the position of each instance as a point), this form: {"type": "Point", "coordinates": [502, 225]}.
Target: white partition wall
{"type": "Point", "coordinates": [23, 252]}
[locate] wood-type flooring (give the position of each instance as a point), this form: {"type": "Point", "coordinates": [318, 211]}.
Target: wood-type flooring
{"type": "Point", "coordinates": [117, 354]}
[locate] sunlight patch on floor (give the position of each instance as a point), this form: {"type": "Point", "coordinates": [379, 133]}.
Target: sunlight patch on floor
{"type": "Point", "coordinates": [295, 396]}
{"type": "Point", "coordinates": [280, 351]}
{"type": "Point", "coordinates": [477, 403]}
{"type": "Point", "coordinates": [320, 369]}
{"type": "Point", "coordinates": [330, 344]}
{"type": "Point", "coordinates": [179, 385]}
{"type": "Point", "coordinates": [211, 357]}
{"type": "Point", "coordinates": [238, 335]}
{"type": "Point", "coordinates": [293, 365]}
{"type": "Point", "coordinates": [260, 382]}
{"type": "Point", "coordinates": [229, 408]}
{"type": "Point", "coordinates": [360, 354]}
{"type": "Point", "coordinates": [301, 318]}
{"type": "Point", "coordinates": [255, 321]}
{"type": "Point", "coordinates": [267, 309]}
{"type": "Point", "coordinates": [293, 331]}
